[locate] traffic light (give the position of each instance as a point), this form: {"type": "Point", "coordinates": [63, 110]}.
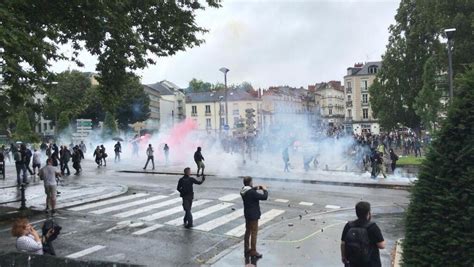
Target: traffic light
{"type": "Point", "coordinates": [250, 121]}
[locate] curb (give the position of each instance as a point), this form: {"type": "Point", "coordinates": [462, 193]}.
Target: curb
{"type": "Point", "coordinates": [397, 259]}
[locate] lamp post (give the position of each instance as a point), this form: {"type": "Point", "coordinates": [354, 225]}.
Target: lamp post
{"type": "Point", "coordinates": [450, 34]}
{"type": "Point", "coordinates": [225, 70]}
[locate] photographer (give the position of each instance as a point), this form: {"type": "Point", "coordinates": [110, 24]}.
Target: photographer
{"type": "Point", "coordinates": [252, 213]}
{"type": "Point", "coordinates": [28, 239]}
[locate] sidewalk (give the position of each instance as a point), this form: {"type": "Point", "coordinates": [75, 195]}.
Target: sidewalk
{"type": "Point", "coordinates": [312, 241]}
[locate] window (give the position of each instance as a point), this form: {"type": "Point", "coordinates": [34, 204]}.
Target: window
{"type": "Point", "coordinates": [208, 109]}
{"type": "Point", "coordinates": [330, 111]}
{"type": "Point", "coordinates": [363, 85]}
{"type": "Point", "coordinates": [194, 110]}
{"type": "Point", "coordinates": [349, 113]}
{"type": "Point", "coordinates": [45, 126]}
{"type": "Point", "coordinates": [235, 112]}
{"type": "Point", "coordinates": [51, 126]}
{"type": "Point", "coordinates": [349, 84]}
{"type": "Point", "coordinates": [365, 113]}
{"type": "Point", "coordinates": [349, 98]}
{"type": "Point", "coordinates": [208, 123]}
{"type": "Point", "coordinates": [222, 122]}
{"type": "Point", "coordinates": [365, 98]}
{"type": "Point", "coordinates": [39, 127]}
{"type": "Point", "coordinates": [372, 69]}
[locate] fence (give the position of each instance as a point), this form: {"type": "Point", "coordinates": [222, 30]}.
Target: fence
{"type": "Point", "coordinates": [22, 199]}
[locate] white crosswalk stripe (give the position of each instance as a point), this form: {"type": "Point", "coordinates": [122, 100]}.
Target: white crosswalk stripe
{"type": "Point", "coordinates": [148, 229]}
{"type": "Point", "coordinates": [128, 205]}
{"type": "Point", "coordinates": [229, 197]}
{"type": "Point", "coordinates": [85, 252]}
{"type": "Point", "coordinates": [201, 213]}
{"type": "Point", "coordinates": [107, 202]}
{"type": "Point", "coordinates": [161, 214]}
{"type": "Point", "coordinates": [281, 200]}
{"type": "Point", "coordinates": [302, 203]}
{"type": "Point", "coordinates": [266, 217]}
{"type": "Point", "coordinates": [148, 208]}
{"type": "Point", "coordinates": [212, 224]}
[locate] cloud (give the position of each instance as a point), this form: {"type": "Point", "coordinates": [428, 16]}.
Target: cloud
{"type": "Point", "coordinates": [279, 42]}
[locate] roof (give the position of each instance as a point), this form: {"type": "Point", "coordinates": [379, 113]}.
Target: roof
{"type": "Point", "coordinates": [364, 70]}
{"type": "Point", "coordinates": [207, 97]}
{"type": "Point", "coordinates": [164, 87]}
{"type": "Point", "coordinates": [330, 85]}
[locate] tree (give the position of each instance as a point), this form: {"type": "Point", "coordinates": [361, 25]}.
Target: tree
{"type": "Point", "coordinates": [63, 123]}
{"type": "Point", "coordinates": [125, 35]}
{"type": "Point", "coordinates": [196, 86]}
{"type": "Point", "coordinates": [67, 96]}
{"type": "Point", "coordinates": [23, 131]}
{"type": "Point", "coordinates": [428, 102]}
{"type": "Point", "coordinates": [439, 220]}
{"type": "Point", "coordinates": [134, 105]}
{"type": "Point", "coordinates": [109, 128]}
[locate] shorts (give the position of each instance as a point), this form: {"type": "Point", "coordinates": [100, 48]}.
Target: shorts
{"type": "Point", "coordinates": [36, 165]}
{"type": "Point", "coordinates": [50, 191]}
{"type": "Point", "coordinates": [200, 164]}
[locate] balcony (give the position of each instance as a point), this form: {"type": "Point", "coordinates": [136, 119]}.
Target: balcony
{"type": "Point", "coordinates": [194, 114]}
{"type": "Point", "coordinates": [208, 114]}
{"type": "Point", "coordinates": [364, 88]}
{"type": "Point", "coordinates": [365, 104]}
{"type": "Point", "coordinates": [349, 104]}
{"type": "Point", "coordinates": [348, 119]}
{"type": "Point", "coordinates": [349, 90]}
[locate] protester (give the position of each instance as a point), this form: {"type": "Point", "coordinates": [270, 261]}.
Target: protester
{"type": "Point", "coordinates": [98, 156]}
{"type": "Point", "coordinates": [83, 147]}
{"type": "Point", "coordinates": [393, 158]}
{"type": "Point", "coordinates": [117, 150]}
{"type": "Point", "coordinates": [186, 192]}
{"type": "Point", "coordinates": [48, 174]}
{"type": "Point", "coordinates": [252, 213]}
{"type": "Point", "coordinates": [27, 238]}
{"type": "Point", "coordinates": [28, 156]}
{"type": "Point", "coordinates": [286, 159]}
{"type": "Point", "coordinates": [65, 158]}
{"type": "Point", "coordinates": [77, 156]}
{"type": "Point", "coordinates": [36, 161]}
{"type": "Point", "coordinates": [199, 159]}
{"type": "Point", "coordinates": [166, 150]}
{"type": "Point", "coordinates": [19, 157]}
{"type": "Point", "coordinates": [6, 153]}
{"type": "Point", "coordinates": [150, 157]}
{"type": "Point", "coordinates": [103, 155]}
{"type": "Point", "coordinates": [361, 240]}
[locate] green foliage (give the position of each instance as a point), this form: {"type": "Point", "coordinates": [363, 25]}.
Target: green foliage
{"type": "Point", "coordinates": [23, 130]}
{"type": "Point", "coordinates": [196, 86]}
{"type": "Point", "coordinates": [109, 128]}
{"type": "Point", "coordinates": [67, 96]}
{"type": "Point", "coordinates": [63, 122]}
{"type": "Point", "coordinates": [125, 35]}
{"type": "Point", "coordinates": [427, 104]}
{"type": "Point", "coordinates": [414, 39]}
{"type": "Point", "coordinates": [134, 105]}
{"type": "Point", "coordinates": [410, 160]}
{"type": "Point", "coordinates": [440, 217]}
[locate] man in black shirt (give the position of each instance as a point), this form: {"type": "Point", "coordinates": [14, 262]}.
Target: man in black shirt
{"type": "Point", "coordinates": [185, 188]}
{"type": "Point", "coordinates": [199, 159]}
{"type": "Point", "coordinates": [353, 237]}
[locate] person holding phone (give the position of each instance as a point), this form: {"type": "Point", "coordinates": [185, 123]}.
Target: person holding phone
{"type": "Point", "coordinates": [27, 238]}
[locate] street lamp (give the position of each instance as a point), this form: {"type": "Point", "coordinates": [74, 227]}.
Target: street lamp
{"type": "Point", "coordinates": [225, 70]}
{"type": "Point", "coordinates": [450, 34]}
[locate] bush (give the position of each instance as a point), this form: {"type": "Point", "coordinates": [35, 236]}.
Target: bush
{"type": "Point", "coordinates": [440, 217]}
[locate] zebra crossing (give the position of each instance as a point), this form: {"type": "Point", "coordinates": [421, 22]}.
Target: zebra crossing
{"type": "Point", "coordinates": [146, 212]}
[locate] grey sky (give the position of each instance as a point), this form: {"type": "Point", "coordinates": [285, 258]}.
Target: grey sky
{"type": "Point", "coordinates": [277, 42]}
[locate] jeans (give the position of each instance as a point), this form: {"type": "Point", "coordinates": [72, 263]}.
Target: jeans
{"type": "Point", "coordinates": [250, 239]}
{"type": "Point", "coordinates": [187, 205]}
{"type": "Point", "coordinates": [65, 167]}
{"type": "Point", "coordinates": [20, 167]}
{"type": "Point", "coordinates": [152, 162]}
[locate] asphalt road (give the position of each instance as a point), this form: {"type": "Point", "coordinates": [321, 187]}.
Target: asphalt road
{"type": "Point", "coordinates": [144, 225]}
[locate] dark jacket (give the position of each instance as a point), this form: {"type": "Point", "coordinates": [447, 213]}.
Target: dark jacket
{"type": "Point", "coordinates": [251, 199]}
{"type": "Point", "coordinates": [198, 156]}
{"type": "Point", "coordinates": [185, 186]}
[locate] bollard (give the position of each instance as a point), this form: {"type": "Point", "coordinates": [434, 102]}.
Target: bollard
{"type": "Point", "coordinates": [23, 199]}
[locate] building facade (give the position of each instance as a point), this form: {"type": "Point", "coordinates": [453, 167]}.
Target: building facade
{"type": "Point", "coordinates": [358, 114]}
{"type": "Point", "coordinates": [331, 102]}
{"type": "Point", "coordinates": [207, 109]}
{"type": "Point", "coordinates": [167, 103]}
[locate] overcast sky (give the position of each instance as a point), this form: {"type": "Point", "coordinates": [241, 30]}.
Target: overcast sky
{"type": "Point", "coordinates": [276, 42]}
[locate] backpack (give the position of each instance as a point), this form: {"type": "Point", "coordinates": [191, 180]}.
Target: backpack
{"type": "Point", "coordinates": [357, 243]}
{"type": "Point", "coordinates": [17, 156]}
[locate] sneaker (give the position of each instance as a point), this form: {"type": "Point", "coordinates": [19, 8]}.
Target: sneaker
{"type": "Point", "coordinates": [189, 226]}
{"type": "Point", "coordinates": [46, 211]}
{"type": "Point", "coordinates": [53, 211]}
{"type": "Point", "coordinates": [257, 255]}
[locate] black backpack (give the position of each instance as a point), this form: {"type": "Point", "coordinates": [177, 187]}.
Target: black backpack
{"type": "Point", "coordinates": [357, 243]}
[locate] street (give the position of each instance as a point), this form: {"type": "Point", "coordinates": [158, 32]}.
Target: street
{"type": "Point", "coordinates": [301, 224]}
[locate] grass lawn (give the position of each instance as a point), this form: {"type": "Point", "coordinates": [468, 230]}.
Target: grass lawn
{"type": "Point", "coordinates": [410, 160]}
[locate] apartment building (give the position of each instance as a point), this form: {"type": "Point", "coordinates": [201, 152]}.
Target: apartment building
{"type": "Point", "coordinates": [358, 113]}
{"type": "Point", "coordinates": [331, 102]}
{"type": "Point", "coordinates": [167, 102]}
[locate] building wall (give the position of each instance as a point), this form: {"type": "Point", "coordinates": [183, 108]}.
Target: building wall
{"type": "Point", "coordinates": [154, 103]}
{"type": "Point", "coordinates": [332, 105]}
{"type": "Point", "coordinates": [211, 120]}
{"type": "Point", "coordinates": [354, 90]}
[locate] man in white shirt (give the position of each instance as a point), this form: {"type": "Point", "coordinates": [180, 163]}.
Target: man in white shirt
{"type": "Point", "coordinates": [149, 153]}
{"type": "Point", "coordinates": [36, 161]}
{"type": "Point", "coordinates": [48, 174]}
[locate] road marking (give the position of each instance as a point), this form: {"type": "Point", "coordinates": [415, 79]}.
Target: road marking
{"type": "Point", "coordinates": [202, 213]}
{"type": "Point", "coordinates": [106, 202]}
{"type": "Point", "coordinates": [281, 200]}
{"type": "Point", "coordinates": [229, 197]}
{"type": "Point", "coordinates": [147, 208]}
{"type": "Point", "coordinates": [220, 221]}
{"type": "Point", "coordinates": [127, 205]}
{"type": "Point", "coordinates": [85, 252]}
{"type": "Point", "coordinates": [65, 204]}
{"type": "Point", "coordinates": [334, 207]}
{"type": "Point", "coordinates": [125, 224]}
{"type": "Point", "coordinates": [174, 210]}
{"type": "Point", "coordinates": [148, 229]}
{"type": "Point", "coordinates": [266, 217]}
{"type": "Point", "coordinates": [302, 203]}
{"type": "Point", "coordinates": [11, 212]}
